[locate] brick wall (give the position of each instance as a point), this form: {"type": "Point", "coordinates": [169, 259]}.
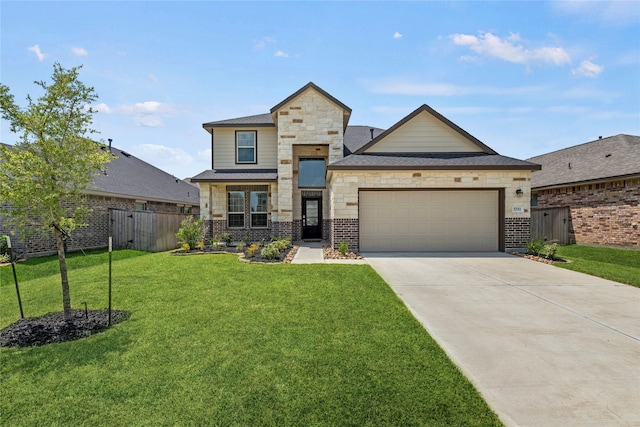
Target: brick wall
{"type": "Point", "coordinates": [345, 230]}
{"type": "Point", "coordinates": [604, 213]}
{"type": "Point", "coordinates": [94, 235]}
{"type": "Point", "coordinates": [517, 232]}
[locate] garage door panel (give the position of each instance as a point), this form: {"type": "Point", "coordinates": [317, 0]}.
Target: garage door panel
{"type": "Point", "coordinates": [424, 220]}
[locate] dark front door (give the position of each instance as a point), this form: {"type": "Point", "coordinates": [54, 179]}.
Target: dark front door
{"type": "Point", "coordinates": [312, 218]}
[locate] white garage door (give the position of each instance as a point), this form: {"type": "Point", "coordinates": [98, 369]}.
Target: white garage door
{"type": "Point", "coordinates": [429, 220]}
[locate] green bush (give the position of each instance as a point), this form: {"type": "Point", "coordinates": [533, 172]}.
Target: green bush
{"type": "Point", "coordinates": [281, 243]}
{"type": "Point", "coordinates": [192, 231]}
{"type": "Point", "coordinates": [227, 239]}
{"type": "Point", "coordinates": [549, 250]}
{"type": "Point", "coordinates": [535, 246]}
{"type": "Point", "coordinates": [4, 248]}
{"type": "Point", "coordinates": [343, 248]}
{"type": "Point", "coordinates": [270, 252]}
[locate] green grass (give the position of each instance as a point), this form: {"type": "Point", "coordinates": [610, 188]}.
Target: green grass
{"type": "Point", "coordinates": [620, 265]}
{"type": "Point", "coordinates": [213, 341]}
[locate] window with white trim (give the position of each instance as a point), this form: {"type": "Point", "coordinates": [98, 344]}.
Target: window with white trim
{"type": "Point", "coordinates": [259, 206]}
{"type": "Point", "coordinates": [235, 211]}
{"type": "Point", "coordinates": [246, 146]}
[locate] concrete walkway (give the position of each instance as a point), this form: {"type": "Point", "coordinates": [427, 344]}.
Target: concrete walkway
{"type": "Point", "coordinates": [544, 346]}
{"type": "Point", "coordinates": [311, 253]}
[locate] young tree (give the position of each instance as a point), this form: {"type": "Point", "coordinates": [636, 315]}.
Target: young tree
{"type": "Point", "coordinates": [44, 175]}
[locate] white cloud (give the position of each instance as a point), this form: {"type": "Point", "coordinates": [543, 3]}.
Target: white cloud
{"type": "Point", "coordinates": [36, 49]}
{"type": "Point", "coordinates": [281, 54]}
{"type": "Point", "coordinates": [102, 108]}
{"type": "Point", "coordinates": [80, 51]}
{"type": "Point", "coordinates": [260, 44]}
{"type": "Point", "coordinates": [397, 35]}
{"type": "Point", "coordinates": [511, 50]}
{"type": "Point", "coordinates": [147, 107]}
{"type": "Point", "coordinates": [588, 69]}
{"type": "Point", "coordinates": [158, 155]}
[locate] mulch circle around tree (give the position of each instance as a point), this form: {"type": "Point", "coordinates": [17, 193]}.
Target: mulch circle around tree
{"type": "Point", "coordinates": [54, 328]}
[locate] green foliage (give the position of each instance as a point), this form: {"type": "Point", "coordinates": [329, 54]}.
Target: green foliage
{"type": "Point", "coordinates": [549, 250]}
{"type": "Point", "coordinates": [251, 250]}
{"type": "Point", "coordinates": [343, 248]}
{"type": "Point", "coordinates": [227, 239]}
{"type": "Point", "coordinates": [192, 231]}
{"type": "Point", "coordinates": [215, 241]}
{"type": "Point", "coordinates": [534, 246]}
{"type": "Point", "coordinates": [4, 248]}
{"type": "Point", "coordinates": [247, 237]}
{"type": "Point", "coordinates": [43, 177]}
{"type": "Point", "coordinates": [281, 243]}
{"type": "Point", "coordinates": [270, 251]}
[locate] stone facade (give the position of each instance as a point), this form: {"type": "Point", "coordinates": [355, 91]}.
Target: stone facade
{"type": "Point", "coordinates": [605, 213]}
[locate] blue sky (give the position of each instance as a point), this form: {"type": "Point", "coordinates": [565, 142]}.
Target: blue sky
{"type": "Point", "coordinates": [523, 77]}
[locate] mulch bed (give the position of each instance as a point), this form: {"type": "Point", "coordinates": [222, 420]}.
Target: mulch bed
{"type": "Point", "coordinates": [54, 328]}
{"type": "Point", "coordinates": [330, 253]}
{"type": "Point", "coordinates": [285, 256]}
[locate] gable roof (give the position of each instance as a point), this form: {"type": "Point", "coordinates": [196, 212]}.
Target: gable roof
{"type": "Point", "coordinates": [128, 176]}
{"type": "Point", "coordinates": [357, 136]}
{"type": "Point", "coordinates": [303, 89]}
{"type": "Point", "coordinates": [603, 159]}
{"type": "Point", "coordinates": [435, 114]}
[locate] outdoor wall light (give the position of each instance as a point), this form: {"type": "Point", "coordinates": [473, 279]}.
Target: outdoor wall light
{"type": "Point", "coordinates": [519, 192]}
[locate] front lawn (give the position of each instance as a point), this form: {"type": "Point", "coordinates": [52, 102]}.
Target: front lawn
{"type": "Point", "coordinates": [214, 341]}
{"type": "Point", "coordinates": [620, 265]}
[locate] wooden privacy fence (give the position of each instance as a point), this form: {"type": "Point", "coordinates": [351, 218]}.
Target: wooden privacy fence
{"type": "Point", "coordinates": [550, 224]}
{"type": "Point", "coordinates": [143, 230]}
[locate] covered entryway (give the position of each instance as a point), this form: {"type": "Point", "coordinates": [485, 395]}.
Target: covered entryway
{"type": "Point", "coordinates": [429, 220]}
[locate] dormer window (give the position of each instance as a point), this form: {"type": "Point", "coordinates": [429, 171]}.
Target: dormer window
{"type": "Point", "coordinates": [246, 146]}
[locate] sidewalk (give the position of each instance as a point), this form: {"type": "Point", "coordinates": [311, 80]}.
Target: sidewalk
{"type": "Point", "coordinates": [311, 253]}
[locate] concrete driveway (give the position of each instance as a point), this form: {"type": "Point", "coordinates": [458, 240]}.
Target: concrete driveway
{"type": "Point", "coordinates": [545, 346]}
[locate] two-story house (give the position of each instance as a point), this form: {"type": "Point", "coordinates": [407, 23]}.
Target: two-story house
{"type": "Point", "coordinates": [422, 185]}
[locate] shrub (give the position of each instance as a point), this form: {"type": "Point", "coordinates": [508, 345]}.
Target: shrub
{"type": "Point", "coordinates": [240, 247]}
{"type": "Point", "coordinates": [200, 245]}
{"type": "Point", "coordinates": [549, 250]}
{"type": "Point", "coordinates": [270, 252]}
{"type": "Point", "coordinates": [4, 247]}
{"type": "Point", "coordinates": [281, 243]}
{"type": "Point", "coordinates": [535, 246]}
{"type": "Point", "coordinates": [227, 239]}
{"type": "Point", "coordinates": [251, 250]}
{"type": "Point", "coordinates": [343, 248]}
{"type": "Point", "coordinates": [186, 247]}
{"type": "Point", "coordinates": [215, 241]}
{"type": "Point", "coordinates": [191, 231]}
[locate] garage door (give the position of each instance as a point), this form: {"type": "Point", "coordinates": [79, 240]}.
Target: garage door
{"type": "Point", "coordinates": [429, 220]}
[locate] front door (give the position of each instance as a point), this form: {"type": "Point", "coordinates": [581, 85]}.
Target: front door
{"type": "Point", "coordinates": [312, 218]}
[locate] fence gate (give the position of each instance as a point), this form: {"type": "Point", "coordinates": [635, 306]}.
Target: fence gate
{"type": "Point", "coordinates": [144, 230]}
{"type": "Point", "coordinates": [550, 224]}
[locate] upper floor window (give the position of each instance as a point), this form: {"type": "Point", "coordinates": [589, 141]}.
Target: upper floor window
{"type": "Point", "coordinates": [246, 146]}
{"type": "Point", "coordinates": [141, 205]}
{"type": "Point", "coordinates": [311, 173]}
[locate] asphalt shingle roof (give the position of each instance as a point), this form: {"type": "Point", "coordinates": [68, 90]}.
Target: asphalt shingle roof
{"type": "Point", "coordinates": [356, 137]}
{"type": "Point", "coordinates": [375, 161]}
{"type": "Point", "coordinates": [606, 158]}
{"type": "Point", "coordinates": [261, 120]}
{"type": "Point", "coordinates": [129, 176]}
{"type": "Point", "coordinates": [236, 175]}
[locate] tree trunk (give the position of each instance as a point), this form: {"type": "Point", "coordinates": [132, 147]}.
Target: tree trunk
{"type": "Point", "coordinates": [66, 297]}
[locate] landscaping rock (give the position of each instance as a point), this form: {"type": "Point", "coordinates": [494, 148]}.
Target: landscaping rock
{"type": "Point", "coordinates": [330, 253]}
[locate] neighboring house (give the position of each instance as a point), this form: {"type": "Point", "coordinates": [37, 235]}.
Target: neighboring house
{"type": "Point", "coordinates": [127, 184]}
{"type": "Point", "coordinates": [599, 183]}
{"type": "Point", "coordinates": [424, 184]}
